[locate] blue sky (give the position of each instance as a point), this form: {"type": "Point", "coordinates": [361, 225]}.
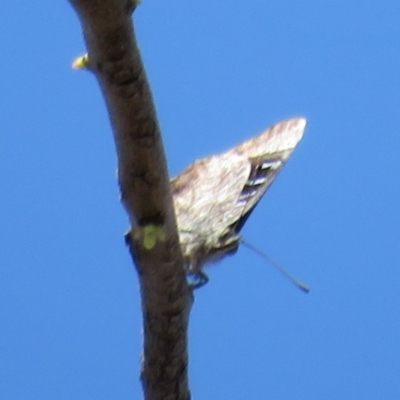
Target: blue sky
{"type": "Point", "coordinates": [221, 72]}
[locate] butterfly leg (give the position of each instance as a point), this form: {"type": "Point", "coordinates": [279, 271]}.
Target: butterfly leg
{"type": "Point", "coordinates": [196, 278]}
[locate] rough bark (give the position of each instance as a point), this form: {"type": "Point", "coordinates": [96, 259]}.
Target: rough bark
{"type": "Point", "coordinates": [143, 178]}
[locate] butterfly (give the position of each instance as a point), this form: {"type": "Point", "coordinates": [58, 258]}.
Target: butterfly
{"type": "Point", "coordinates": [214, 196]}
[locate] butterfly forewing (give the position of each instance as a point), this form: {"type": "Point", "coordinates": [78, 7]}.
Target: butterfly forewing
{"type": "Point", "coordinates": [267, 153]}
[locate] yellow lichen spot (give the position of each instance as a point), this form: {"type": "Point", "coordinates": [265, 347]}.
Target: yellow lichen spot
{"type": "Point", "coordinates": [152, 234]}
{"type": "Point", "coordinates": [81, 62]}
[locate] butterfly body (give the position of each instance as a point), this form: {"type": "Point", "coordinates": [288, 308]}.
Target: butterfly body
{"type": "Point", "coordinates": [214, 196]}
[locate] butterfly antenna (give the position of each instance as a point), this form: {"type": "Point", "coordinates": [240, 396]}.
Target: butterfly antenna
{"type": "Point", "coordinates": [302, 286]}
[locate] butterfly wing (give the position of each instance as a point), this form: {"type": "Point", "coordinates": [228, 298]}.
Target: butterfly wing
{"type": "Point", "coordinates": [206, 193]}
{"type": "Point", "coordinates": [267, 153]}
{"type": "Point", "coordinates": [214, 196]}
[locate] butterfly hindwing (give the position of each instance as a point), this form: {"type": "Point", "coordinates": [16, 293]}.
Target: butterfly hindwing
{"type": "Point", "coordinates": [205, 194]}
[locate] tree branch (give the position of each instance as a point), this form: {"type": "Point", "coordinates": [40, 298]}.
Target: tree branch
{"type": "Point", "coordinates": [143, 177]}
